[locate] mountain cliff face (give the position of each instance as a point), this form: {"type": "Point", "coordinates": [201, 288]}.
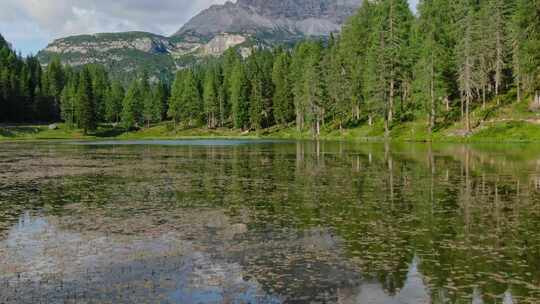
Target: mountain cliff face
{"type": "Point", "coordinates": [293, 17]}
{"type": "Point", "coordinates": [242, 24]}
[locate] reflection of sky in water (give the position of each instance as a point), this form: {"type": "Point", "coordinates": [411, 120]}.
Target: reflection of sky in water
{"type": "Point", "coordinates": [414, 291]}
{"type": "Point", "coordinates": [37, 249]}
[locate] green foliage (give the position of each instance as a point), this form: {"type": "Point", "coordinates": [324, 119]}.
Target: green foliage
{"type": "Point", "coordinates": [87, 117]}
{"type": "Point", "coordinates": [211, 98]}
{"type": "Point", "coordinates": [256, 106]}
{"type": "Point", "coordinates": [283, 105]}
{"type": "Point", "coordinates": [175, 100]}
{"type": "Point", "coordinates": [113, 102]}
{"type": "Point", "coordinates": [191, 101]}
{"type": "Point", "coordinates": [238, 92]}
{"type": "Point", "coordinates": [132, 106]}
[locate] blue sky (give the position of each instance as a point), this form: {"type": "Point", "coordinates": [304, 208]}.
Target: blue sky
{"type": "Point", "coordinates": [31, 24]}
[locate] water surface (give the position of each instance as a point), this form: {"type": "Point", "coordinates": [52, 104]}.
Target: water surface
{"type": "Point", "coordinates": [218, 221]}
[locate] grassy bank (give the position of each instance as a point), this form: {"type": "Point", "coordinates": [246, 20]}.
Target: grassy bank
{"type": "Point", "coordinates": [493, 123]}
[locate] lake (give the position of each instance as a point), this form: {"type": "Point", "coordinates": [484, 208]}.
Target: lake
{"type": "Point", "coordinates": [219, 221]}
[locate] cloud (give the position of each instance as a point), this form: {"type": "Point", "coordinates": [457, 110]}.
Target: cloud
{"type": "Point", "coordinates": [27, 21]}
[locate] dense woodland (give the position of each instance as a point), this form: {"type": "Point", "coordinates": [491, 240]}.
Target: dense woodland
{"type": "Point", "coordinates": [387, 66]}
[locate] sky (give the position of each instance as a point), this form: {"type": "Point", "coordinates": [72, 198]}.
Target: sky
{"type": "Point", "coordinates": [31, 24]}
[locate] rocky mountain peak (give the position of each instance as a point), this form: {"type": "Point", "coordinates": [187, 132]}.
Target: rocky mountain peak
{"type": "Point", "coordinates": [302, 17]}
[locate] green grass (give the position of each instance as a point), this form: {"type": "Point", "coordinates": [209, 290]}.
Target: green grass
{"type": "Point", "coordinates": [515, 131]}
{"type": "Point", "coordinates": [37, 132]}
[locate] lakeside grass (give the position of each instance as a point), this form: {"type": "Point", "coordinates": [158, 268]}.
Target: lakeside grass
{"type": "Point", "coordinates": [497, 122]}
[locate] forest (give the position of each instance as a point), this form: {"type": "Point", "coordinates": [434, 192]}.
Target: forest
{"type": "Point", "coordinates": [387, 66]}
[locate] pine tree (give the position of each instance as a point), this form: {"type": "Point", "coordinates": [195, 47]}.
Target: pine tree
{"type": "Point", "coordinates": [394, 28]}
{"type": "Point", "coordinates": [526, 40]}
{"type": "Point", "coordinates": [283, 99]}
{"type": "Point", "coordinates": [433, 42]}
{"type": "Point", "coordinates": [256, 106]}
{"type": "Point", "coordinates": [230, 58]}
{"type": "Point", "coordinates": [498, 10]}
{"type": "Point", "coordinates": [175, 100]}
{"type": "Point", "coordinates": [86, 108]}
{"type": "Point", "coordinates": [149, 114]}
{"type": "Point", "coordinates": [211, 98]}
{"type": "Point", "coordinates": [238, 92]}
{"type": "Point", "coordinates": [191, 102]}
{"type": "Point", "coordinates": [68, 103]}
{"type": "Point", "coordinates": [55, 81]}
{"type": "Point", "coordinates": [313, 92]}
{"type": "Point", "coordinates": [113, 102]}
{"type": "Point", "coordinates": [160, 96]}
{"type": "Point", "coordinates": [355, 48]}
{"type": "Point", "coordinates": [338, 101]}
{"type": "Point", "coordinates": [131, 106]}
{"type": "Point", "coordinates": [100, 86]}
{"type": "Point", "coordinates": [299, 61]}
{"type": "Point", "coordinates": [466, 61]}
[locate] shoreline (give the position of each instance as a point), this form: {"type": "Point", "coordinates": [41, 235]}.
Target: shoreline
{"type": "Point", "coordinates": [38, 133]}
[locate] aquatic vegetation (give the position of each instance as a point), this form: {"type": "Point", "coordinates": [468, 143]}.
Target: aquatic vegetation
{"type": "Point", "coordinates": [269, 222]}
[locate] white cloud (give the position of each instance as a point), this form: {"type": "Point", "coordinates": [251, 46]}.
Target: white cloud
{"type": "Point", "coordinates": [30, 22]}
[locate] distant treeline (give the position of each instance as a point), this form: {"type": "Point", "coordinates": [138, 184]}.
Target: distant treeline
{"type": "Point", "coordinates": [387, 65]}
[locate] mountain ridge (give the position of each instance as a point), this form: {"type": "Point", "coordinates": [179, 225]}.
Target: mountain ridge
{"type": "Point", "coordinates": [243, 24]}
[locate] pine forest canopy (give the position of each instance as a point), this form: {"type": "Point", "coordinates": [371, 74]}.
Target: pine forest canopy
{"type": "Point", "coordinates": [387, 65]}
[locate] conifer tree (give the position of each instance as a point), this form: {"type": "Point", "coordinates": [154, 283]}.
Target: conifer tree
{"type": "Point", "coordinates": [175, 100]}
{"type": "Point", "coordinates": [313, 92]}
{"type": "Point", "coordinates": [160, 95]}
{"type": "Point", "coordinates": [53, 86]}
{"type": "Point", "coordinates": [283, 99]}
{"type": "Point", "coordinates": [466, 61]}
{"type": "Point", "coordinates": [113, 102]}
{"type": "Point", "coordinates": [256, 107]}
{"type": "Point", "coordinates": [238, 92]}
{"type": "Point", "coordinates": [394, 28]}
{"type": "Point", "coordinates": [299, 61]}
{"type": "Point", "coordinates": [131, 106]}
{"type": "Point", "coordinates": [68, 103]}
{"type": "Point", "coordinates": [211, 98]}
{"type": "Point", "coordinates": [526, 48]}
{"type": "Point", "coordinates": [430, 84]}
{"type": "Point", "coordinates": [191, 102]}
{"type": "Point", "coordinates": [86, 107]}
{"type": "Point", "coordinates": [100, 86]}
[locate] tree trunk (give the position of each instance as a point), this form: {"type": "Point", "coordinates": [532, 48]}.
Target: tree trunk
{"type": "Point", "coordinates": [386, 128]}
{"type": "Point", "coordinates": [391, 103]}
{"type": "Point", "coordinates": [499, 59]}
{"type": "Point", "coordinates": [518, 89]}
{"type": "Point", "coordinates": [432, 95]}
{"type": "Point", "coordinates": [483, 97]}
{"type": "Point", "coordinates": [461, 97]}
{"type": "Point", "coordinates": [467, 116]}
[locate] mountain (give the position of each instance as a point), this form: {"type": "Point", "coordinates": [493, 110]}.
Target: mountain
{"type": "Point", "coordinates": [242, 24]}
{"type": "Point", "coordinates": [293, 18]}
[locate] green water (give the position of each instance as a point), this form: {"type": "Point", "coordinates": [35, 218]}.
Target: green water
{"type": "Point", "coordinates": [268, 222]}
